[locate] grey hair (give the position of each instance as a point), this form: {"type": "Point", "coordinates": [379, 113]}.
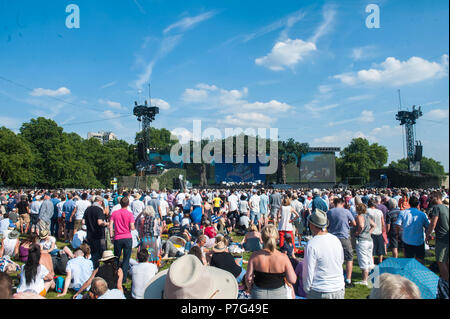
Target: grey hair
{"type": "Point", "coordinates": [149, 211]}
{"type": "Point", "coordinates": [358, 200]}
{"type": "Point", "coordinates": [392, 203]}
{"type": "Point", "coordinates": [395, 287]}
{"type": "Point", "coordinates": [378, 199]}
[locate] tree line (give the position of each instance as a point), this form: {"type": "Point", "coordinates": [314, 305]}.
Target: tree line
{"type": "Point", "coordinates": [43, 155]}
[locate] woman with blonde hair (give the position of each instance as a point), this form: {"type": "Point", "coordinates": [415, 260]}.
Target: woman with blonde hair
{"type": "Point", "coordinates": [252, 240]}
{"type": "Point", "coordinates": [268, 269]}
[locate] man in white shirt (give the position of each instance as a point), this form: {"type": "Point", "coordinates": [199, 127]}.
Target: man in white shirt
{"type": "Point", "coordinates": [78, 271]}
{"type": "Point", "coordinates": [196, 199]}
{"type": "Point", "coordinates": [78, 212]}
{"type": "Point", "coordinates": [255, 215]}
{"type": "Point", "coordinates": [99, 290]}
{"type": "Point", "coordinates": [323, 276]}
{"type": "Point", "coordinates": [180, 199]}
{"type": "Point", "coordinates": [137, 206]}
{"type": "Point", "coordinates": [142, 274]}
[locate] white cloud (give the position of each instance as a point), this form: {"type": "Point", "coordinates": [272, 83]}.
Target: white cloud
{"type": "Point", "coordinates": [286, 54]}
{"type": "Point", "coordinates": [339, 139]}
{"type": "Point", "coordinates": [107, 85]}
{"type": "Point", "coordinates": [163, 105]}
{"type": "Point", "coordinates": [395, 72]}
{"type": "Point", "coordinates": [365, 117]}
{"type": "Point", "coordinates": [194, 95]}
{"type": "Point", "coordinates": [360, 98]}
{"type": "Point", "coordinates": [363, 53]}
{"type": "Point", "coordinates": [47, 92]}
{"type": "Point", "coordinates": [189, 22]}
{"type": "Point", "coordinates": [112, 104]}
{"type": "Point", "coordinates": [386, 131]}
{"type": "Point", "coordinates": [437, 114]}
{"type": "Point", "coordinates": [247, 119]}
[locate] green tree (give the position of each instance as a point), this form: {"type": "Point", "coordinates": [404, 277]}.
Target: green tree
{"type": "Point", "coordinates": [289, 151]}
{"type": "Point", "coordinates": [427, 166]}
{"type": "Point", "coordinates": [158, 138]}
{"type": "Point", "coordinates": [359, 157]}
{"type": "Point", "coordinates": [16, 159]}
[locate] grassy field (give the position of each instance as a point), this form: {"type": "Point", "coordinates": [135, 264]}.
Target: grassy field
{"type": "Point", "coordinates": [358, 292]}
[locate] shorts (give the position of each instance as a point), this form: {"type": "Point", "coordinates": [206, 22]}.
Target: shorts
{"type": "Point", "coordinates": [393, 240]}
{"type": "Point", "coordinates": [274, 212]}
{"type": "Point", "coordinates": [348, 249]}
{"type": "Point", "coordinates": [255, 217]}
{"type": "Point", "coordinates": [216, 210]}
{"type": "Point", "coordinates": [441, 251]}
{"type": "Point", "coordinates": [34, 218]}
{"type": "Point", "coordinates": [340, 294]}
{"type": "Point", "coordinates": [412, 251]}
{"type": "Point", "coordinates": [77, 224]}
{"type": "Point", "coordinates": [69, 225]}
{"type": "Point", "coordinates": [24, 218]}
{"type": "Point", "coordinates": [378, 245]}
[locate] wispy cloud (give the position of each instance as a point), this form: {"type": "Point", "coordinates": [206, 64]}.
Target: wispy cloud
{"type": "Point", "coordinates": [107, 85]}
{"type": "Point", "coordinates": [328, 13]}
{"type": "Point", "coordinates": [141, 9]}
{"type": "Point", "coordinates": [189, 22]}
{"type": "Point", "coordinates": [112, 104]}
{"type": "Point", "coordinates": [365, 117]}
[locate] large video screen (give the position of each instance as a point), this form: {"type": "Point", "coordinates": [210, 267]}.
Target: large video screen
{"type": "Point", "coordinates": [318, 167]}
{"type": "Point", "coordinates": [238, 172]}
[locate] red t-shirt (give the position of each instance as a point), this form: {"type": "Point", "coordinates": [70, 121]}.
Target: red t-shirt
{"type": "Point", "coordinates": [122, 219]}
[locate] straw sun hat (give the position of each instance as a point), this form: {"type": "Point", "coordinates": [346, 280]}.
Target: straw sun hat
{"type": "Point", "coordinates": [188, 278]}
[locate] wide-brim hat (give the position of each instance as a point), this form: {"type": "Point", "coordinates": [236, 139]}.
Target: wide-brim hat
{"type": "Point", "coordinates": [13, 234]}
{"type": "Point", "coordinates": [319, 218]}
{"type": "Point", "coordinates": [44, 234]}
{"type": "Point", "coordinates": [107, 255]}
{"type": "Point", "coordinates": [188, 278]}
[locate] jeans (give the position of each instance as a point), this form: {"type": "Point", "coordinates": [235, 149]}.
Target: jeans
{"type": "Point", "coordinates": [241, 276]}
{"type": "Point", "coordinates": [126, 245]}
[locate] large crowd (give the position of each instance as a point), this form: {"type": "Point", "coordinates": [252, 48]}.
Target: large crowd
{"type": "Point", "coordinates": [302, 242]}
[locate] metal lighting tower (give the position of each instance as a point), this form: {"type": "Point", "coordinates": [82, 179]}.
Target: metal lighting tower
{"type": "Point", "coordinates": [145, 114]}
{"type": "Point", "coordinates": [414, 151]}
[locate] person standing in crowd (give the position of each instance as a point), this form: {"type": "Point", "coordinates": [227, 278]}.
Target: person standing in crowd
{"type": "Point", "coordinates": [284, 218]}
{"type": "Point", "coordinates": [233, 214]}
{"type": "Point", "coordinates": [137, 206]}
{"type": "Point", "coordinates": [298, 223]}
{"type": "Point", "coordinates": [95, 221]}
{"type": "Point", "coordinates": [23, 209]}
{"type": "Point", "coordinates": [78, 212]}
{"type": "Point", "coordinates": [255, 215]}
{"type": "Point", "coordinates": [121, 225]}
{"type": "Point", "coordinates": [61, 216]}
{"type": "Point", "coordinates": [45, 213]}
{"type": "Point", "coordinates": [377, 235]}
{"type": "Point", "coordinates": [68, 208]}
{"type": "Point", "coordinates": [391, 218]}
{"type": "Point", "coordinates": [439, 224]}
{"type": "Point", "coordinates": [54, 220]}
{"type": "Point", "coordinates": [264, 207]}
{"type": "Point", "coordinates": [268, 269]}
{"type": "Point", "coordinates": [341, 220]}
{"type": "Point", "coordinates": [275, 204]}
{"type": "Point", "coordinates": [318, 202]}
{"type": "Point", "coordinates": [413, 223]}
{"type": "Point", "coordinates": [35, 207]}
{"type": "Point", "coordinates": [364, 243]}
{"type": "Point", "coordinates": [322, 266]}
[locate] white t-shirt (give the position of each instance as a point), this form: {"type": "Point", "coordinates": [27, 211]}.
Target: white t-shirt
{"type": "Point", "coordinates": [233, 200]}
{"type": "Point", "coordinates": [137, 207]}
{"type": "Point", "coordinates": [59, 207]}
{"type": "Point", "coordinates": [47, 244]}
{"type": "Point", "coordinates": [81, 270]}
{"type": "Point", "coordinates": [117, 207]}
{"type": "Point", "coordinates": [164, 205]}
{"type": "Point", "coordinates": [322, 265]}
{"type": "Point", "coordinates": [376, 215]}
{"type": "Point", "coordinates": [81, 206]}
{"type": "Point", "coordinates": [141, 274]}
{"type": "Point", "coordinates": [113, 294]}
{"type": "Point", "coordinates": [285, 224]}
{"type": "Point", "coordinates": [185, 221]}
{"type": "Point", "coordinates": [180, 198]}
{"type": "Point", "coordinates": [37, 285]}
{"type": "Point", "coordinates": [254, 203]}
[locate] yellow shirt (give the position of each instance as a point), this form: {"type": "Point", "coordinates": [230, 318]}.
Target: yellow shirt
{"type": "Point", "coordinates": [217, 201]}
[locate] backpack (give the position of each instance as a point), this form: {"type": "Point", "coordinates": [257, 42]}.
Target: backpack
{"type": "Point", "coordinates": [59, 283]}
{"type": "Point", "coordinates": [60, 263]}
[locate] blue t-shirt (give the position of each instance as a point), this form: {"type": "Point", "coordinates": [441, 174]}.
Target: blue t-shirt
{"type": "Point", "coordinates": [55, 209]}
{"type": "Point", "coordinates": [413, 222]}
{"type": "Point", "coordinates": [319, 203]}
{"type": "Point", "coordinates": [263, 202]}
{"type": "Point", "coordinates": [68, 208]}
{"type": "Point", "coordinates": [196, 215]}
{"type": "Point", "coordinates": [81, 269]}
{"type": "Point", "coordinates": [339, 219]}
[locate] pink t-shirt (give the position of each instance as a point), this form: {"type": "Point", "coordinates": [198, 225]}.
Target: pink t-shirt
{"type": "Point", "coordinates": [122, 219]}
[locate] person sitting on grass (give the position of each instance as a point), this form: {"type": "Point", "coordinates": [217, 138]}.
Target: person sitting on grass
{"type": "Point", "coordinates": [35, 276]}
{"type": "Point", "coordinates": [25, 245]}
{"type": "Point", "coordinates": [78, 271]}
{"type": "Point", "coordinates": [252, 240]}
{"type": "Point", "coordinates": [142, 274]}
{"type": "Point", "coordinates": [10, 244]}
{"type": "Point", "coordinates": [222, 259]}
{"type": "Point", "coordinates": [109, 271]}
{"type": "Point", "coordinates": [197, 251]}
{"type": "Point", "coordinates": [395, 287]}
{"type": "Point", "coordinates": [100, 290]}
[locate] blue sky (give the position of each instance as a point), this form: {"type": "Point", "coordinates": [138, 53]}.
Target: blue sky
{"type": "Point", "coordinates": [312, 69]}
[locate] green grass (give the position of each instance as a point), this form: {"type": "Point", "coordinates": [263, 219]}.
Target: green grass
{"type": "Point", "coordinates": [358, 292]}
